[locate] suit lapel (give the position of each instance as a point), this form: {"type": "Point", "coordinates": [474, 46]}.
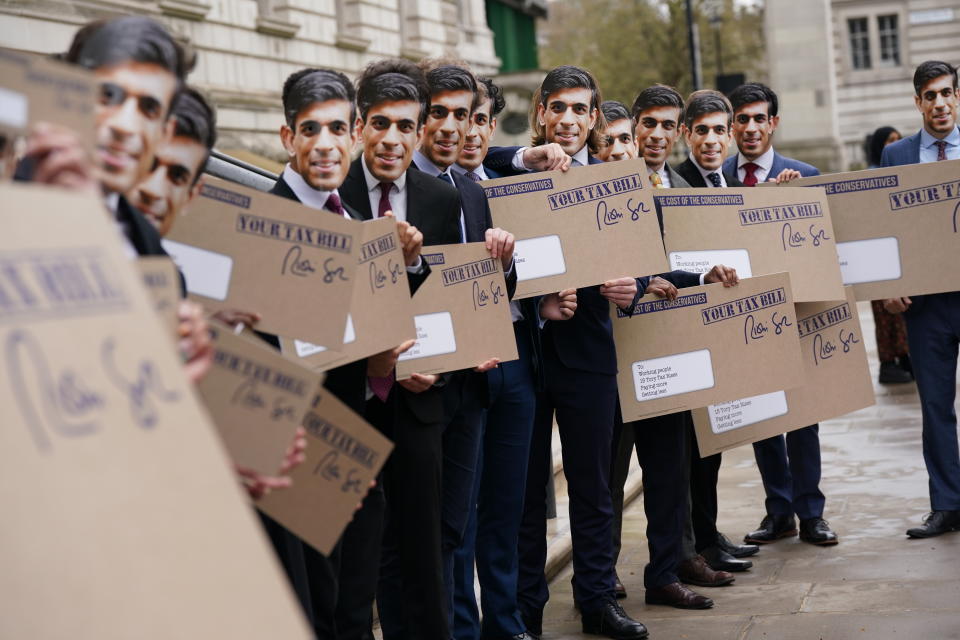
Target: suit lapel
{"type": "Point", "coordinates": [915, 149]}
{"type": "Point", "coordinates": [354, 192]}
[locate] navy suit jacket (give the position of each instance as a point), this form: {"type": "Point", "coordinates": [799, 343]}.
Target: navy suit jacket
{"type": "Point", "coordinates": [779, 164]}
{"type": "Point", "coordinates": [585, 341]}
{"type": "Point", "coordinates": [903, 151]}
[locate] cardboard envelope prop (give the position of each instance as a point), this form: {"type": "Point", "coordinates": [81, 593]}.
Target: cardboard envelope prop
{"type": "Point", "coordinates": [162, 280]}
{"type": "Point", "coordinates": [757, 233]}
{"type": "Point", "coordinates": [462, 312]}
{"type": "Point", "coordinates": [240, 248]}
{"type": "Point", "coordinates": [710, 343]}
{"type": "Point", "coordinates": [579, 228]}
{"type": "Point", "coordinates": [897, 229]}
{"type": "Point", "coordinates": [836, 381]}
{"type": "Point", "coordinates": [122, 515]}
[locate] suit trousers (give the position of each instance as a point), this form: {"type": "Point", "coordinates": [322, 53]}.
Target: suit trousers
{"type": "Point", "coordinates": [790, 468]}
{"type": "Point", "coordinates": [583, 403]}
{"type": "Point", "coordinates": [660, 447]}
{"type": "Point", "coordinates": [704, 473]}
{"type": "Point", "coordinates": [410, 594]}
{"type": "Point", "coordinates": [494, 524]}
{"type": "Point", "coordinates": [933, 330]}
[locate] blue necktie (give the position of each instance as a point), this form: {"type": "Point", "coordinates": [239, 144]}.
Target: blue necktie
{"type": "Point", "coordinates": [714, 178]}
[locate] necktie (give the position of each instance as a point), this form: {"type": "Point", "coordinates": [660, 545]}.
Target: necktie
{"type": "Point", "coordinates": [446, 178]}
{"type": "Point", "coordinates": [473, 176]}
{"type": "Point", "coordinates": [941, 149]}
{"type": "Point", "coordinates": [750, 176]}
{"type": "Point", "coordinates": [384, 199]}
{"type": "Point", "coordinates": [714, 178]}
{"type": "Point", "coordinates": [334, 204]}
{"type": "Point", "coordinates": [381, 386]}
{"type": "Point", "coordinates": [656, 181]}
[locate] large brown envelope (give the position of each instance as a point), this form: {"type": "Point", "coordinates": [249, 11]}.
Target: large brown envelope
{"type": "Point", "coordinates": [836, 382]}
{"type": "Point", "coordinates": [162, 280]}
{"type": "Point", "coordinates": [897, 229]}
{"type": "Point", "coordinates": [343, 455]}
{"type": "Point", "coordinates": [240, 248]}
{"type": "Point", "coordinates": [709, 345]}
{"type": "Point", "coordinates": [381, 309]}
{"type": "Point", "coordinates": [579, 228]}
{"type": "Point", "coordinates": [34, 89]}
{"type": "Point", "coordinates": [757, 231]}
{"type": "Point", "coordinates": [462, 312]}
{"type": "Point", "coordinates": [256, 398]}
{"type": "Point", "coordinates": [122, 517]}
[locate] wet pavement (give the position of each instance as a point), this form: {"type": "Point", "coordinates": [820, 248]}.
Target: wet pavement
{"type": "Point", "coordinates": [875, 585]}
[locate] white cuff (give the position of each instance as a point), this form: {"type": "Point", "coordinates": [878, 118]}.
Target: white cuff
{"type": "Point", "coordinates": [517, 162]}
{"type": "Point", "coordinates": [702, 277]}
{"type": "Point", "coordinates": [416, 268]}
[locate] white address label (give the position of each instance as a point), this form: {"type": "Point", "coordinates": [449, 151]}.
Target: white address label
{"type": "Point", "coordinates": [703, 261]}
{"type": "Point", "coordinates": [872, 260]}
{"type": "Point", "coordinates": [207, 272]}
{"type": "Point", "coordinates": [539, 258]}
{"type": "Point", "coordinates": [672, 375]}
{"type": "Point", "coordinates": [305, 349]}
{"type": "Point", "coordinates": [735, 414]}
{"type": "Point", "coordinates": [435, 336]}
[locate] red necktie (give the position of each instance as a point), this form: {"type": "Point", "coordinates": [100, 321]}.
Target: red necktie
{"type": "Point", "coordinates": [384, 199]}
{"type": "Point", "coordinates": [334, 204]}
{"type": "Point", "coordinates": [750, 177]}
{"type": "Point", "coordinates": [941, 149]}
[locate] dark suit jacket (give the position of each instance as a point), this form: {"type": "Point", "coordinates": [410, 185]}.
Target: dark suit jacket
{"type": "Point", "coordinates": [903, 151]}
{"type": "Point", "coordinates": [500, 160]}
{"type": "Point", "coordinates": [691, 173]}
{"type": "Point", "coordinates": [433, 207]}
{"type": "Point", "coordinates": [779, 164]}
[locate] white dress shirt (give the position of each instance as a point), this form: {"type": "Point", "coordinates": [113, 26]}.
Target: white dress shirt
{"type": "Point", "coordinates": [764, 162]}
{"type": "Point", "coordinates": [929, 150]}
{"type": "Point", "coordinates": [313, 198]}
{"type": "Point", "coordinates": [426, 165]}
{"type": "Point", "coordinates": [397, 196]}
{"type": "Point", "coordinates": [706, 172]}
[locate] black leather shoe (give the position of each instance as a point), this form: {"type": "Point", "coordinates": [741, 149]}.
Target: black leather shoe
{"type": "Point", "coordinates": [772, 528]}
{"type": "Point", "coordinates": [679, 596]}
{"type": "Point", "coordinates": [534, 624]}
{"type": "Point", "coordinates": [892, 373]}
{"type": "Point", "coordinates": [613, 622]}
{"type": "Point", "coordinates": [936, 523]}
{"type": "Point", "coordinates": [736, 550]}
{"type": "Point", "coordinates": [618, 589]}
{"type": "Point", "coordinates": [817, 531]}
{"type": "Point", "coordinates": [720, 560]}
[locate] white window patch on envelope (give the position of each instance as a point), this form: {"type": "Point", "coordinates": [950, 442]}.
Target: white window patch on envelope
{"type": "Point", "coordinates": [435, 336]}
{"type": "Point", "coordinates": [672, 375]}
{"type": "Point", "coordinates": [207, 273]}
{"type": "Point", "coordinates": [728, 416]}
{"type": "Point", "coordinates": [871, 260]}
{"type": "Point", "coordinates": [306, 349]}
{"type": "Point", "coordinates": [539, 258]}
{"type": "Point", "coordinates": [14, 108]}
{"type": "Point", "coordinates": [703, 261]}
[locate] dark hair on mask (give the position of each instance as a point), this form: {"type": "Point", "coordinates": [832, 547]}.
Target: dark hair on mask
{"type": "Point", "coordinates": [450, 77]}
{"type": "Point", "coordinates": [754, 92]}
{"type": "Point", "coordinates": [392, 80]}
{"type": "Point", "coordinates": [931, 69]}
{"type": "Point", "coordinates": [195, 120]}
{"type": "Point", "coordinates": [705, 102]}
{"type": "Point", "coordinates": [613, 111]}
{"type": "Point", "coordinates": [659, 95]}
{"type": "Point", "coordinates": [568, 77]}
{"type": "Point", "coordinates": [494, 93]}
{"type": "Point", "coordinates": [875, 144]}
{"type": "Point", "coordinates": [309, 86]}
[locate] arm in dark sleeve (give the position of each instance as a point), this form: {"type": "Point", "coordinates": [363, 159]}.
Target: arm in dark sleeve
{"type": "Point", "coordinates": [681, 279]}
{"type": "Point", "coordinates": [642, 284]}
{"type": "Point", "coordinates": [417, 279]}
{"type": "Point", "coordinates": [500, 159]}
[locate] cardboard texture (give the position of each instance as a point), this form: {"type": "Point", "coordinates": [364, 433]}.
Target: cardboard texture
{"type": "Point", "coordinates": [711, 344]}
{"type": "Point", "coordinates": [756, 232]}
{"type": "Point", "coordinates": [34, 89]}
{"type": "Point", "coordinates": [381, 310]}
{"type": "Point", "coordinates": [122, 515]}
{"type": "Point", "coordinates": [897, 229]}
{"type": "Point", "coordinates": [256, 397]}
{"type": "Point", "coordinates": [579, 228]}
{"type": "Point", "coordinates": [240, 248]}
{"type": "Point", "coordinates": [836, 381]}
{"type": "Point", "coordinates": [462, 312]}
{"type": "Point", "coordinates": [162, 280]}
{"type": "Point", "coordinates": [343, 455]}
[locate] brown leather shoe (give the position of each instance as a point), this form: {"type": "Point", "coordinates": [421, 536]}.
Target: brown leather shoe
{"type": "Point", "coordinates": [679, 596]}
{"type": "Point", "coordinates": [697, 571]}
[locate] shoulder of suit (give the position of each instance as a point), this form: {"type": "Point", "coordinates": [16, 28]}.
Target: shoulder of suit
{"type": "Point", "coordinates": [469, 187]}
{"type": "Point", "coordinates": [898, 152]}
{"type": "Point", "coordinates": [804, 168]}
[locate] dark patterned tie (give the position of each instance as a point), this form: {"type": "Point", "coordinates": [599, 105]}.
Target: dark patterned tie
{"type": "Point", "coordinates": [384, 199]}
{"type": "Point", "coordinates": [334, 204]}
{"type": "Point", "coordinates": [941, 149]}
{"type": "Point", "coordinates": [714, 178]}
{"type": "Point", "coordinates": [473, 176]}
{"type": "Point", "coordinates": [750, 175]}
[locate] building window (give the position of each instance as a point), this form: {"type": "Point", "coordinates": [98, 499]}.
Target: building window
{"type": "Point", "coordinates": [859, 42]}
{"type": "Point", "coordinates": [514, 36]}
{"type": "Point", "coordinates": [889, 40]}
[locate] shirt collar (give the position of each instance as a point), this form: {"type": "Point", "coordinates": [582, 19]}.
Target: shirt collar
{"type": "Point", "coordinates": [374, 183]}
{"type": "Point", "coordinates": [706, 172]}
{"type": "Point", "coordinates": [481, 173]}
{"type": "Point", "coordinates": [313, 198]}
{"type": "Point", "coordinates": [927, 140]}
{"type": "Point", "coordinates": [765, 161]}
{"type": "Point", "coordinates": [582, 156]}
{"type": "Point", "coordinates": [426, 165]}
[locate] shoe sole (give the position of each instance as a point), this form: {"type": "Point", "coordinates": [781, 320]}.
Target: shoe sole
{"type": "Point", "coordinates": [709, 584]}
{"type": "Point", "coordinates": [679, 606]}
{"type": "Point", "coordinates": [780, 536]}
{"type": "Point", "coordinates": [825, 543]}
{"type": "Point", "coordinates": [642, 636]}
{"type": "Point", "coordinates": [932, 535]}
